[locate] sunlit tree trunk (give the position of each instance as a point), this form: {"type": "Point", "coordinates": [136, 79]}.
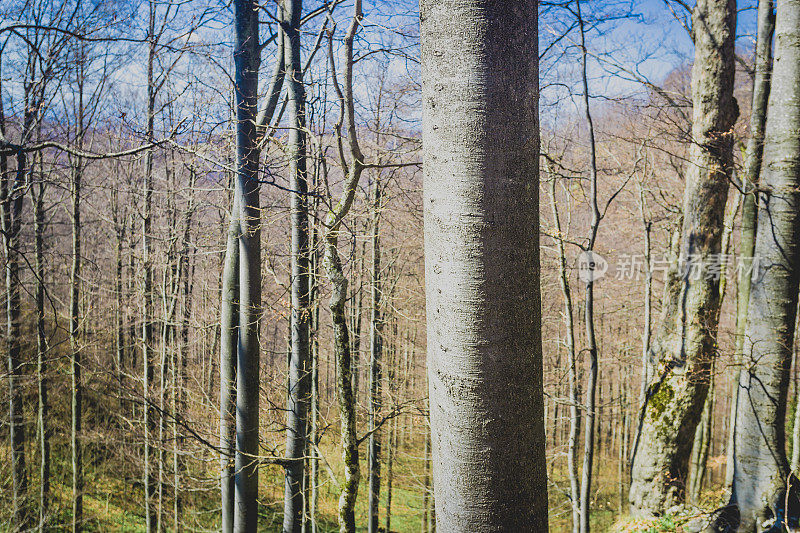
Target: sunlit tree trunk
{"type": "Point", "coordinates": [760, 465]}
{"type": "Point", "coordinates": [247, 58]}
{"type": "Point", "coordinates": [591, 424]}
{"type": "Point", "coordinates": [147, 282]}
{"type": "Point", "coordinates": [41, 356]}
{"type": "Point", "coordinates": [76, 364]}
{"type": "Point", "coordinates": [375, 364]}
{"type": "Point", "coordinates": [335, 273]}
{"type": "Point", "coordinates": [686, 343]}
{"type": "Point", "coordinates": [750, 178]}
{"type": "Point", "coordinates": [300, 360]}
{"type": "Point", "coordinates": [229, 333]}
{"type": "Point", "coordinates": [572, 383]}
{"type": "Point", "coordinates": [480, 132]}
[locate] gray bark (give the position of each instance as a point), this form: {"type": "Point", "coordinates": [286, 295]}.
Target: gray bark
{"type": "Point", "coordinates": [591, 340]}
{"type": "Point", "coordinates": [390, 471]}
{"type": "Point", "coordinates": [574, 399]}
{"type": "Point", "coordinates": [247, 58]}
{"type": "Point", "coordinates": [335, 273]}
{"type": "Point", "coordinates": [229, 334]}
{"type": "Point", "coordinates": [760, 465]}
{"type": "Point", "coordinates": [229, 319]}
{"type": "Point", "coordinates": [686, 342]}
{"type": "Point", "coordinates": [314, 433]}
{"type": "Point", "coordinates": [376, 365]}
{"type": "Point", "coordinates": [75, 360]}
{"type": "Point", "coordinates": [12, 197]}
{"type": "Point", "coordinates": [750, 177]}
{"type": "Point", "coordinates": [76, 365]}
{"type": "Point", "coordinates": [647, 370]}
{"type": "Point", "coordinates": [300, 361]}
{"type": "Point", "coordinates": [480, 135]}
{"type": "Point", "coordinates": [147, 276]}
{"type": "Point", "coordinates": [41, 357]}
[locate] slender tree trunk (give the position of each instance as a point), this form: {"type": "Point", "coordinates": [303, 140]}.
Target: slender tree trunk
{"type": "Point", "coordinates": [229, 322]}
{"type": "Point", "coordinates": [686, 343]}
{"type": "Point", "coordinates": [574, 399]}
{"type": "Point", "coordinates": [356, 313]}
{"type": "Point", "coordinates": [480, 131]}
{"type": "Point", "coordinates": [315, 330]}
{"type": "Point", "coordinates": [335, 273]}
{"type": "Point", "coordinates": [75, 362]}
{"type": "Point", "coordinates": [347, 499]}
{"type": "Point", "coordinates": [247, 57]}
{"type": "Point", "coordinates": [392, 361]}
{"type": "Point", "coordinates": [376, 365]}
{"type": "Point", "coordinates": [760, 466]}
{"type": "Point", "coordinates": [147, 277]}
{"type": "Point", "coordinates": [647, 327]}
{"type": "Point", "coordinates": [750, 178]}
{"type": "Point", "coordinates": [300, 361]}
{"type": "Point", "coordinates": [426, 481]}
{"type": "Point", "coordinates": [41, 358]}
{"type": "Point", "coordinates": [119, 327]}
{"type": "Point", "coordinates": [591, 341]}
{"type": "Point", "coordinates": [390, 452]}
{"type": "Point", "coordinates": [623, 447]}
{"type": "Point", "coordinates": [180, 367]}
{"type": "Point", "coordinates": [11, 203]}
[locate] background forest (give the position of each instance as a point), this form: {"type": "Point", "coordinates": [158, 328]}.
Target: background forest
{"type": "Point", "coordinates": [125, 286]}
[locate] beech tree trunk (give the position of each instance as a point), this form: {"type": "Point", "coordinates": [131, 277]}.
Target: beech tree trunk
{"type": "Point", "coordinates": [75, 348]}
{"type": "Point", "coordinates": [147, 278]}
{"type": "Point", "coordinates": [76, 364]}
{"type": "Point", "coordinates": [686, 342]}
{"type": "Point", "coordinates": [12, 198]}
{"type": "Point", "coordinates": [300, 360]}
{"type": "Point", "coordinates": [750, 178]}
{"type": "Point", "coordinates": [591, 339]}
{"type": "Point", "coordinates": [247, 58]}
{"type": "Point", "coordinates": [335, 273]}
{"type": "Point", "coordinates": [480, 133]}
{"type": "Point", "coordinates": [41, 356]}
{"type": "Point", "coordinates": [229, 334]}
{"type": "Point", "coordinates": [572, 379]}
{"type": "Point", "coordinates": [760, 465]}
{"type": "Point", "coordinates": [375, 365]}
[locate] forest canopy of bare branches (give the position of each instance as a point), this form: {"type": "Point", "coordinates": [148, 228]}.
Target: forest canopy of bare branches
{"type": "Point", "coordinates": [400, 265]}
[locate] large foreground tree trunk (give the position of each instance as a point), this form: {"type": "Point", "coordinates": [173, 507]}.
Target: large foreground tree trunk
{"type": "Point", "coordinates": [480, 133]}
{"type": "Point", "coordinates": [686, 343]}
{"type": "Point", "coordinates": [760, 465]}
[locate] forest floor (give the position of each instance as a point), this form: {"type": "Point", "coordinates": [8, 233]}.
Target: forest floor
{"type": "Point", "coordinates": [113, 499]}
